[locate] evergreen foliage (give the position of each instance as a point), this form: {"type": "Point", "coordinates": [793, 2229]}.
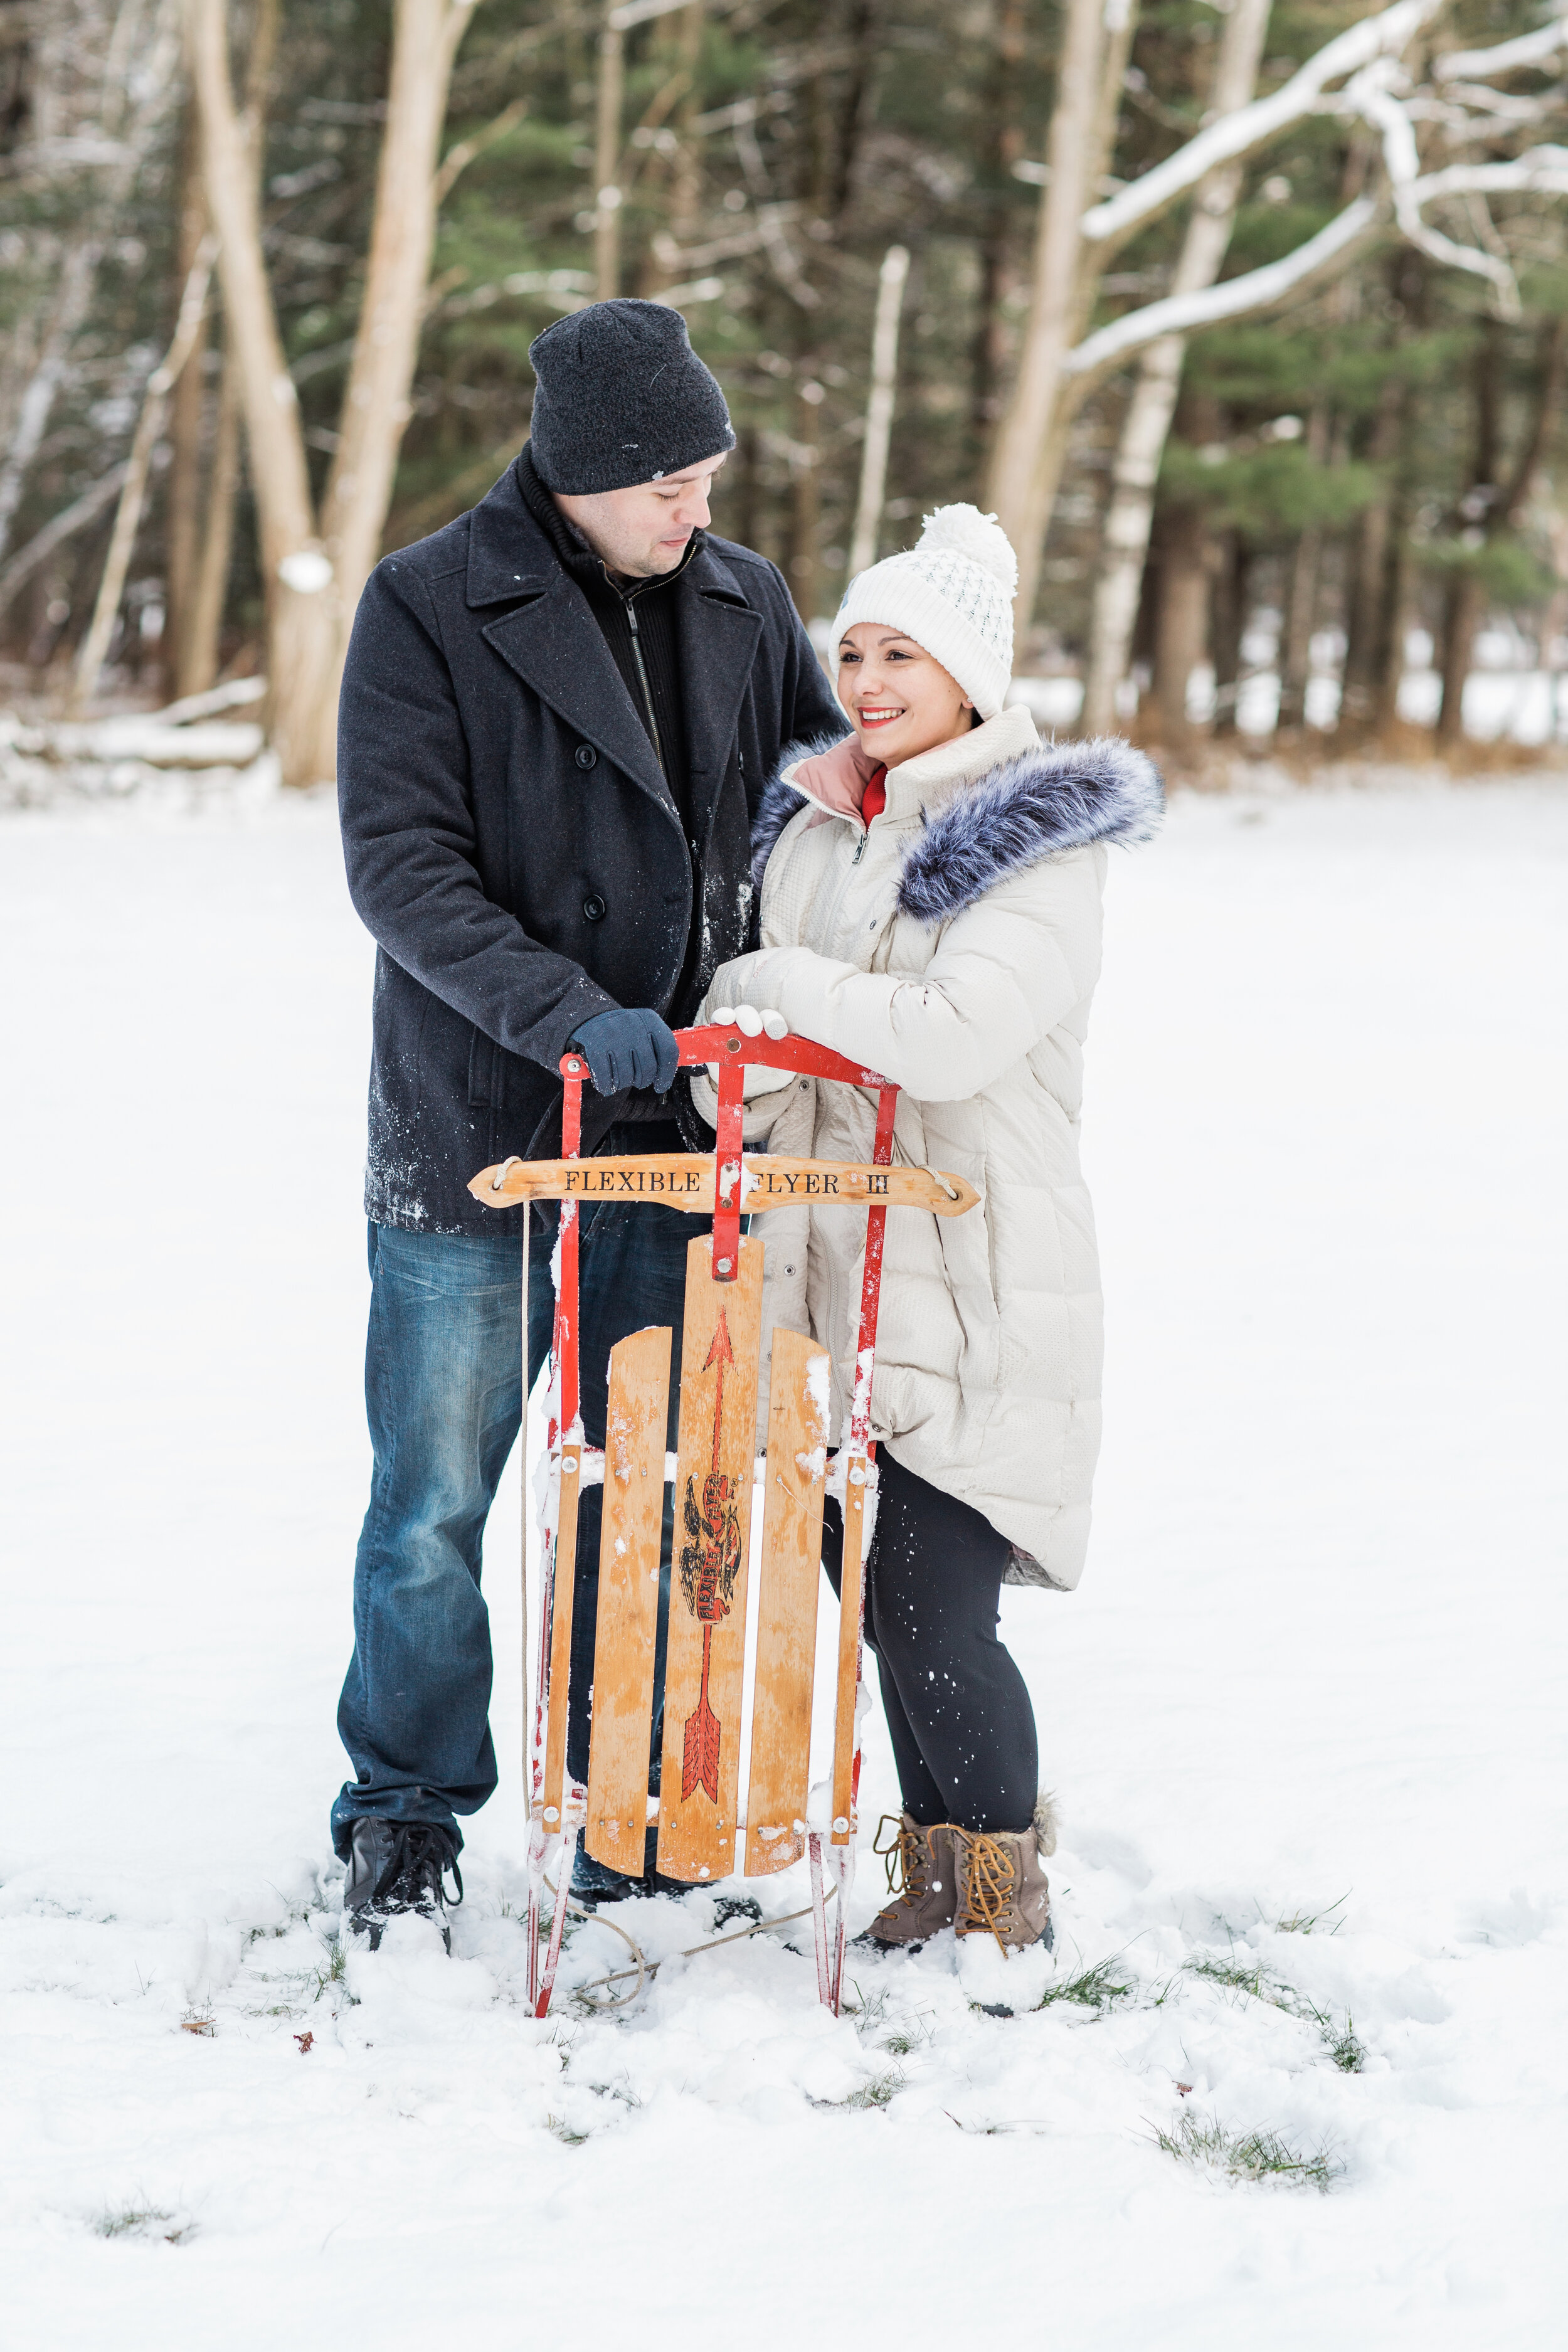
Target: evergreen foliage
{"type": "Point", "coordinates": [772, 149]}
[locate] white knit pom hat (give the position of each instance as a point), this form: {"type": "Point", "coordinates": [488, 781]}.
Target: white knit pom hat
{"type": "Point", "coordinates": [953, 594]}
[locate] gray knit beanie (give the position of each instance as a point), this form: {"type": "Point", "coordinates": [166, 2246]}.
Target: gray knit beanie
{"type": "Point", "coordinates": [622, 398]}
{"type": "Point", "coordinates": [952, 593]}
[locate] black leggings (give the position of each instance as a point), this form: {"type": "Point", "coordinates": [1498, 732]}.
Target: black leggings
{"type": "Point", "coordinates": [957, 1707]}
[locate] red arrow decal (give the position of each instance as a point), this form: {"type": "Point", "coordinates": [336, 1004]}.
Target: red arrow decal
{"type": "Point", "coordinates": [719, 1352]}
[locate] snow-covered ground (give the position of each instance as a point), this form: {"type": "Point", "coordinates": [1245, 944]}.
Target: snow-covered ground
{"type": "Point", "coordinates": [1314, 1674]}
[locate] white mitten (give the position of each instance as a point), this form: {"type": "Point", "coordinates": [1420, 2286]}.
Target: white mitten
{"type": "Point", "coordinates": [757, 1080]}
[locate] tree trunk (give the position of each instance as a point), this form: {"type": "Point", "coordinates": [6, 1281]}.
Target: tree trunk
{"type": "Point", "coordinates": [1504, 504]}
{"type": "Point", "coordinates": [133, 80]}
{"type": "Point", "coordinates": [895, 269]}
{"type": "Point", "coordinates": [1147, 423]}
{"type": "Point", "coordinates": [1181, 621]}
{"type": "Point", "coordinates": [1296, 640]}
{"type": "Point", "coordinates": [300, 612]}
{"type": "Point", "coordinates": [742, 479]}
{"type": "Point", "coordinates": [201, 526]}
{"type": "Point", "coordinates": [1002, 136]}
{"type": "Point", "coordinates": [199, 649]}
{"type": "Point", "coordinates": [1088, 268]}
{"type": "Point", "coordinates": [607, 159]}
{"type": "Point", "coordinates": [1227, 626]}
{"type": "Point", "coordinates": [149, 425]}
{"type": "Point", "coordinates": [1021, 500]}
{"type": "Point", "coordinates": [386, 343]}
{"type": "Point", "coordinates": [805, 501]}
{"type": "Point", "coordinates": [1462, 605]}
{"type": "Point", "coordinates": [854, 112]}
{"type": "Point", "coordinates": [1301, 598]}
{"type": "Point", "coordinates": [685, 191]}
{"type": "Point", "coordinates": [312, 587]}
{"type": "Point", "coordinates": [187, 416]}
{"type": "Point", "coordinates": [1375, 659]}
{"type": "Point", "coordinates": [1368, 617]}
{"type": "Point", "coordinates": [73, 293]}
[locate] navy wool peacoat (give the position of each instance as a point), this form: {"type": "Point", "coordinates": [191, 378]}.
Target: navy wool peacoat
{"type": "Point", "coordinates": [512, 842]}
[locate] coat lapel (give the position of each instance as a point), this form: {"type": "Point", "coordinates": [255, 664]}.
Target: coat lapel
{"type": "Point", "coordinates": [557, 648]}
{"type": "Point", "coordinates": [550, 638]}
{"type": "Point", "coordinates": [719, 634]}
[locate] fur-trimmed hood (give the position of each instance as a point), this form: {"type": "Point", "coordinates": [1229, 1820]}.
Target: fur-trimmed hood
{"type": "Point", "coordinates": [1047, 799]}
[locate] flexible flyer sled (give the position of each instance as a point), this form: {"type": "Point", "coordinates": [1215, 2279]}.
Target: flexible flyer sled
{"type": "Point", "coordinates": [718, 1484]}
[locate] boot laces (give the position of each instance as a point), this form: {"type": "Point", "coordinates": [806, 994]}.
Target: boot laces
{"type": "Point", "coordinates": [907, 1855]}
{"type": "Point", "coordinates": [420, 1858]}
{"type": "Point", "coordinates": [990, 1882]}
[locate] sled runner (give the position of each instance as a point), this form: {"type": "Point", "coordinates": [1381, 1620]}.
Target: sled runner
{"type": "Point", "coordinates": [716, 1475]}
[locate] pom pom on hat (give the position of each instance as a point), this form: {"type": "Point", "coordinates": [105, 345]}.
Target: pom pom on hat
{"type": "Point", "coordinates": [980, 537]}
{"type": "Point", "coordinates": [952, 593]}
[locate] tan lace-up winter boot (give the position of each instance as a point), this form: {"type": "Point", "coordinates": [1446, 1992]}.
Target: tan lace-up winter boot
{"type": "Point", "coordinates": [921, 1878]}
{"type": "Point", "coordinates": [1003, 1890]}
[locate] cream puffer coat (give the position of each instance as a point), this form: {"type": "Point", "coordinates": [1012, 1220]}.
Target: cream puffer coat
{"type": "Point", "coordinates": [953, 945]}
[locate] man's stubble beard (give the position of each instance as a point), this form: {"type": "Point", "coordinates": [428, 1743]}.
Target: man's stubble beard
{"type": "Point", "coordinates": [657, 561]}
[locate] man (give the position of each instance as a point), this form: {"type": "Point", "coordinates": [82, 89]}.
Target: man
{"type": "Point", "coordinates": [558, 717]}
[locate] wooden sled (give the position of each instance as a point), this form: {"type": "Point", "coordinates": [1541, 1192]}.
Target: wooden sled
{"type": "Point", "coordinates": [716, 1475]}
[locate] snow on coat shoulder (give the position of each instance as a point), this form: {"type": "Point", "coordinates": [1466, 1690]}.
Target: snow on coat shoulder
{"type": "Point", "coordinates": [955, 945]}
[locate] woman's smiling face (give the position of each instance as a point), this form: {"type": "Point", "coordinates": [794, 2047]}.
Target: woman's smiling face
{"type": "Point", "coordinates": [901, 701]}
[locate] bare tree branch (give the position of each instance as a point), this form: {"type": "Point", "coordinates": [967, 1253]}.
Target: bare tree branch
{"type": "Point", "coordinates": [1371, 97]}
{"type": "Point", "coordinates": [1237, 135]}
{"type": "Point", "coordinates": [457, 159]}
{"type": "Point", "coordinates": [1014, 488]}
{"type": "Point", "coordinates": [1129, 517]}
{"type": "Point", "coordinates": [1237, 298]}
{"type": "Point", "coordinates": [57, 530]}
{"type": "Point", "coordinates": [1509, 57]}
{"type": "Point", "coordinates": [149, 425]}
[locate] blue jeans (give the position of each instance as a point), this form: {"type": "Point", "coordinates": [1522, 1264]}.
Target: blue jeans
{"type": "Point", "coordinates": [444, 1393]}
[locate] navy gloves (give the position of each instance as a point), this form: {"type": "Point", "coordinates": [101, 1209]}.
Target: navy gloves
{"type": "Point", "coordinates": [624, 1048]}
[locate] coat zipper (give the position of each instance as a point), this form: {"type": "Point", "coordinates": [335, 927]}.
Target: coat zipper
{"type": "Point", "coordinates": [842, 892]}
{"type": "Point", "coordinates": [643, 679]}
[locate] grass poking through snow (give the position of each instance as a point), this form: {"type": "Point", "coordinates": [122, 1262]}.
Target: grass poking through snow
{"type": "Point", "coordinates": [334, 1970]}
{"type": "Point", "coordinates": [880, 2093]}
{"type": "Point", "coordinates": [1340, 2038]}
{"type": "Point", "coordinates": [1239, 1977]}
{"type": "Point", "coordinates": [141, 2221]}
{"type": "Point", "coordinates": [1314, 1923]}
{"type": "Point", "coordinates": [1342, 2042]}
{"type": "Point", "coordinates": [1203, 2142]}
{"type": "Point", "coordinates": [1100, 1987]}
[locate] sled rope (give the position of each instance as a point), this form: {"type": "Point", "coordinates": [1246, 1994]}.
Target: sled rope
{"type": "Point", "coordinates": [647, 1969]}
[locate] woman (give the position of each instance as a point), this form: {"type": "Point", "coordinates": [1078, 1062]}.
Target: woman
{"type": "Point", "coordinates": [930, 908]}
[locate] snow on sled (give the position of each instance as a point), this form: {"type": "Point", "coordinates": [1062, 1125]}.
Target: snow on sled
{"type": "Point", "coordinates": [715, 1474]}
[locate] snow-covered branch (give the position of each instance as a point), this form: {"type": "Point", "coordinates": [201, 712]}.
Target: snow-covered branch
{"type": "Point", "coordinates": [1370, 96]}
{"type": "Point", "coordinates": [1543, 172]}
{"type": "Point", "coordinates": [1234, 135]}
{"type": "Point", "coordinates": [1236, 298]}
{"type": "Point", "coordinates": [1509, 56]}
{"type": "Point", "coordinates": [1477, 112]}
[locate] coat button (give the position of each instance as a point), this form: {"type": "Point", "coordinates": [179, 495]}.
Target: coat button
{"type": "Point", "coordinates": [594, 908]}
{"type": "Point", "coordinates": [585, 756]}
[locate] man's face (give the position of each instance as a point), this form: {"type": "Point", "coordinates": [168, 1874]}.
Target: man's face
{"type": "Point", "coordinates": [644, 530]}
